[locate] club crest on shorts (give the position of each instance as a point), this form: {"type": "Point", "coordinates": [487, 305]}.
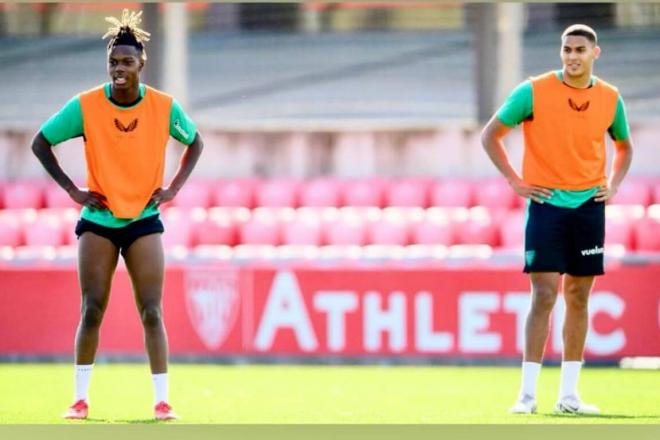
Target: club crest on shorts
{"type": "Point", "coordinates": [212, 302]}
{"type": "Point", "coordinates": [529, 257]}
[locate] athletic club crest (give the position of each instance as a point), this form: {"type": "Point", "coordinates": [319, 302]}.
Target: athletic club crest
{"type": "Point", "coordinates": [212, 301]}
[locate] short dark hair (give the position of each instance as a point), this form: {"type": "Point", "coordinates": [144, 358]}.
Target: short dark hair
{"type": "Point", "coordinates": [125, 32]}
{"type": "Point", "coordinates": [581, 30]}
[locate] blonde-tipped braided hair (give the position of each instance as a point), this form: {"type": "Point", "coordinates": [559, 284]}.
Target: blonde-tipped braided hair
{"type": "Point", "coordinates": [126, 31]}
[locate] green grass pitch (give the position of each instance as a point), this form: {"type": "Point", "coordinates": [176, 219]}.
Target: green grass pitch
{"type": "Point", "coordinates": [39, 393]}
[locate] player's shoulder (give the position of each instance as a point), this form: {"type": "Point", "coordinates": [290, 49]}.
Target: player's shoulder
{"type": "Point", "coordinates": [99, 89]}
{"type": "Point", "coordinates": [606, 85]}
{"type": "Point", "coordinates": [544, 77]}
{"type": "Point", "coordinates": [157, 93]}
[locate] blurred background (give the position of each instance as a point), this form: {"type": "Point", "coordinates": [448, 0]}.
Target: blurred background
{"type": "Point", "coordinates": [343, 207]}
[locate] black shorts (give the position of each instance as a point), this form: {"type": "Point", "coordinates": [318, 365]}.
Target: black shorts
{"type": "Point", "coordinates": [125, 236]}
{"type": "Point", "coordinates": [565, 240]}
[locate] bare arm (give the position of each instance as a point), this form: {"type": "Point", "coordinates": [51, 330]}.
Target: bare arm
{"type": "Point", "coordinates": [186, 165]}
{"type": "Point", "coordinates": [44, 152]}
{"type": "Point", "coordinates": [623, 152]}
{"type": "Point", "coordinates": [492, 140]}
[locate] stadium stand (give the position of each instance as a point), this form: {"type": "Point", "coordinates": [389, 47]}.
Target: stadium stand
{"type": "Point", "coordinates": [633, 192]}
{"type": "Point", "coordinates": [234, 193]}
{"type": "Point", "coordinates": [452, 193]}
{"type": "Point", "coordinates": [365, 192]}
{"type": "Point", "coordinates": [44, 230]}
{"type": "Point", "coordinates": [321, 192]}
{"type": "Point", "coordinates": [303, 231]}
{"type": "Point", "coordinates": [408, 193]}
{"type": "Point", "coordinates": [56, 198]}
{"type": "Point", "coordinates": [495, 193]}
{"type": "Point", "coordinates": [374, 218]}
{"type": "Point", "coordinates": [389, 232]}
{"type": "Point", "coordinates": [347, 231]}
{"type": "Point", "coordinates": [194, 194]}
{"type": "Point", "coordinates": [260, 230]}
{"type": "Point", "coordinates": [11, 230]}
{"type": "Point", "coordinates": [512, 230]}
{"type": "Point", "coordinates": [23, 194]}
{"type": "Point", "coordinates": [434, 230]}
{"type": "Point", "coordinates": [215, 230]}
{"type": "Point", "coordinates": [647, 231]}
{"type": "Point", "coordinates": [278, 193]}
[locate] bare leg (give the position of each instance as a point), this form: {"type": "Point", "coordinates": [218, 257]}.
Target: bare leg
{"type": "Point", "coordinates": [145, 264]}
{"type": "Point", "coordinates": [97, 260]}
{"type": "Point", "coordinates": [544, 295]}
{"type": "Point", "coordinates": [576, 295]}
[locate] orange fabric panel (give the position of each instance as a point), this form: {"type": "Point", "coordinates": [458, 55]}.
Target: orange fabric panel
{"type": "Point", "coordinates": [125, 148]}
{"type": "Point", "coordinates": [565, 139]}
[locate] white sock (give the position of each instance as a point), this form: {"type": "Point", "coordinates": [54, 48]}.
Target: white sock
{"type": "Point", "coordinates": [160, 387]}
{"type": "Point", "coordinates": [82, 377]}
{"type": "Point", "coordinates": [530, 375]}
{"type": "Point", "coordinates": [570, 372]}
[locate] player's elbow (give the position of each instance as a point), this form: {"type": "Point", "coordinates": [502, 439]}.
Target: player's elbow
{"type": "Point", "coordinates": [39, 144]}
{"type": "Point", "coordinates": [197, 144]}
{"type": "Point", "coordinates": [624, 148]}
{"type": "Point", "coordinates": [487, 137]}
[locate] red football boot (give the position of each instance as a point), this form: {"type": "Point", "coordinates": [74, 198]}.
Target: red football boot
{"type": "Point", "coordinates": [163, 411]}
{"type": "Point", "coordinates": [77, 411]}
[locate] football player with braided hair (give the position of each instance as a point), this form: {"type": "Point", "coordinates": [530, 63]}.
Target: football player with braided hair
{"type": "Point", "coordinates": [125, 126]}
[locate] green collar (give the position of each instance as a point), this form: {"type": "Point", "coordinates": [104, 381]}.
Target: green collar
{"type": "Point", "coordinates": [107, 89]}
{"type": "Point", "coordinates": [560, 76]}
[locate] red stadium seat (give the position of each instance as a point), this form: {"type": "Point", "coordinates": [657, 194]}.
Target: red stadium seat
{"type": "Point", "coordinates": [194, 194]}
{"type": "Point", "coordinates": [24, 194]}
{"type": "Point", "coordinates": [302, 232]}
{"type": "Point", "coordinates": [68, 217]}
{"type": "Point", "coordinates": [45, 230]}
{"type": "Point", "coordinates": [364, 192]}
{"type": "Point", "coordinates": [619, 231]}
{"type": "Point", "coordinates": [512, 229]}
{"type": "Point", "coordinates": [389, 232]}
{"type": "Point", "coordinates": [434, 231]}
{"type": "Point", "coordinates": [320, 193]}
{"type": "Point", "coordinates": [215, 231]}
{"type": "Point", "coordinates": [408, 193]}
{"type": "Point", "coordinates": [625, 212]}
{"type": "Point", "coordinates": [647, 234]}
{"type": "Point", "coordinates": [56, 197]}
{"type": "Point", "coordinates": [35, 254]}
{"type": "Point", "coordinates": [478, 231]}
{"type": "Point", "coordinates": [69, 228]}
{"type": "Point", "coordinates": [347, 232]}
{"type": "Point", "coordinates": [278, 193]}
{"type": "Point", "coordinates": [260, 231]}
{"type": "Point", "coordinates": [11, 233]}
{"type": "Point", "coordinates": [655, 189]}
{"type": "Point", "coordinates": [633, 192]}
{"type": "Point", "coordinates": [496, 193]}
{"type": "Point", "coordinates": [178, 225]}
{"type": "Point", "coordinates": [452, 193]}
{"type": "Point", "coordinates": [234, 193]}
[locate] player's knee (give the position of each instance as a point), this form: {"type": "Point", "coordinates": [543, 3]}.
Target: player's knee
{"type": "Point", "coordinates": [92, 314]}
{"type": "Point", "coordinates": [576, 300]}
{"type": "Point", "coordinates": [151, 316]}
{"type": "Point", "coordinates": [543, 299]}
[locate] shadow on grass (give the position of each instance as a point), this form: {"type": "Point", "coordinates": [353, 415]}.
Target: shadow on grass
{"type": "Point", "coordinates": [128, 421]}
{"type": "Point", "coordinates": [601, 416]}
